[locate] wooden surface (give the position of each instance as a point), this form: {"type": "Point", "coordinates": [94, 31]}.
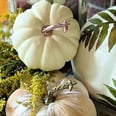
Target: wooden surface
{"type": "Point", "coordinates": [104, 109]}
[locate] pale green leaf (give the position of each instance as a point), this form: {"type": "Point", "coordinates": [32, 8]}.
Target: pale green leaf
{"type": "Point", "coordinates": [108, 99]}
{"type": "Point", "coordinates": [106, 16]}
{"type": "Point", "coordinates": [114, 82]}
{"type": "Point", "coordinates": [87, 39]}
{"type": "Point", "coordinates": [93, 38]}
{"type": "Point", "coordinates": [111, 90]}
{"type": "Point", "coordinates": [112, 37]}
{"type": "Point", "coordinates": [112, 11]}
{"type": "Point", "coordinates": [98, 29]}
{"type": "Point", "coordinates": [96, 21]}
{"type": "Point", "coordinates": [86, 32]}
{"type": "Point", "coordinates": [102, 35]}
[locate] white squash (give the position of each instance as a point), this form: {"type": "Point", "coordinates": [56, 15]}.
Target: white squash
{"type": "Point", "coordinates": [54, 1]}
{"type": "Point", "coordinates": [46, 36]}
{"type": "Point", "coordinates": [67, 103]}
{"type": "Point", "coordinates": [95, 62]}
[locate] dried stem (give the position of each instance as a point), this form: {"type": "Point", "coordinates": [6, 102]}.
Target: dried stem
{"type": "Point", "coordinates": [67, 85]}
{"type": "Point", "coordinates": [47, 30]}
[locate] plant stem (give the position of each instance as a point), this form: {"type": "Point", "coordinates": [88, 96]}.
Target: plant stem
{"type": "Point", "coordinates": [50, 96]}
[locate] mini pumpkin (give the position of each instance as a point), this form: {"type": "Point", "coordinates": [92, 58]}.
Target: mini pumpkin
{"type": "Point", "coordinates": [75, 102]}
{"type": "Point", "coordinates": [46, 36]}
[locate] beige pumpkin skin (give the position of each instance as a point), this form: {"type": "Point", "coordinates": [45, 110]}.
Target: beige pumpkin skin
{"type": "Point", "coordinates": [97, 67]}
{"type": "Point", "coordinates": [40, 49]}
{"type": "Point", "coordinates": [67, 103]}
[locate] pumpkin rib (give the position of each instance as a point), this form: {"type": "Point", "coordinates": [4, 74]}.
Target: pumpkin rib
{"type": "Point", "coordinates": [69, 39]}
{"type": "Point", "coordinates": [78, 100]}
{"type": "Point", "coordinates": [59, 16]}
{"type": "Point", "coordinates": [55, 108]}
{"type": "Point", "coordinates": [47, 57]}
{"type": "Point", "coordinates": [66, 46]}
{"type": "Point", "coordinates": [44, 10]}
{"type": "Point", "coordinates": [26, 33]}
{"type": "Point", "coordinates": [32, 46]}
{"type": "Point", "coordinates": [27, 19]}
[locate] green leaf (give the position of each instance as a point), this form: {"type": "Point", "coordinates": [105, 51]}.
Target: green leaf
{"type": "Point", "coordinates": [93, 38]}
{"type": "Point", "coordinates": [110, 100]}
{"type": "Point", "coordinates": [95, 21]}
{"type": "Point", "coordinates": [102, 35]}
{"type": "Point", "coordinates": [114, 82]}
{"type": "Point", "coordinates": [112, 90]}
{"type": "Point", "coordinates": [51, 1]}
{"type": "Point", "coordinates": [112, 37]}
{"type": "Point", "coordinates": [98, 29]}
{"type": "Point", "coordinates": [87, 30]}
{"type": "Point", "coordinates": [106, 16]}
{"type": "Point", "coordinates": [87, 38]}
{"type": "Point", "coordinates": [112, 11]}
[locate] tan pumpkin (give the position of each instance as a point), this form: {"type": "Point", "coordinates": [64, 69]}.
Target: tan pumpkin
{"type": "Point", "coordinates": [67, 103]}
{"type": "Point", "coordinates": [46, 36]}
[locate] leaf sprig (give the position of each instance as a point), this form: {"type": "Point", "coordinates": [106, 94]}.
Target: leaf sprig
{"type": "Point", "coordinates": [113, 92]}
{"type": "Point", "coordinates": [98, 29]}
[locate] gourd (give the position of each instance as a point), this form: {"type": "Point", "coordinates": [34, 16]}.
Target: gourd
{"type": "Point", "coordinates": [95, 61]}
{"type": "Point", "coordinates": [46, 36]}
{"type": "Point", "coordinates": [68, 97]}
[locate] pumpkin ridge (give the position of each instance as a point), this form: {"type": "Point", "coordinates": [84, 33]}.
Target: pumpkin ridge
{"type": "Point", "coordinates": [44, 10]}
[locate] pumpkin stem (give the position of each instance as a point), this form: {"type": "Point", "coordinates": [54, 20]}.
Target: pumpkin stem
{"type": "Point", "coordinates": [47, 30]}
{"type": "Point", "coordinates": [50, 96]}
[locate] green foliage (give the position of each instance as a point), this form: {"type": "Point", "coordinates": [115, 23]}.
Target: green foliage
{"type": "Point", "coordinates": [98, 29]}
{"type": "Point", "coordinates": [9, 60]}
{"type": "Point", "coordinates": [36, 85]}
{"type": "Point", "coordinates": [38, 90]}
{"type": "Point", "coordinates": [14, 74]}
{"type": "Point", "coordinates": [6, 26]}
{"type": "Point", "coordinates": [113, 92]}
{"type": "Point", "coordinates": [2, 104]}
{"type": "Point", "coordinates": [8, 85]}
{"type": "Point", "coordinates": [7, 52]}
{"type": "Point", "coordinates": [9, 78]}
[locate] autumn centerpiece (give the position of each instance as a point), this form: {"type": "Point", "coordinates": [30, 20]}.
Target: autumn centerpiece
{"type": "Point", "coordinates": [41, 40]}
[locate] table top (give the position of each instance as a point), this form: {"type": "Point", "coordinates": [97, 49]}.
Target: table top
{"type": "Point", "coordinates": [104, 109]}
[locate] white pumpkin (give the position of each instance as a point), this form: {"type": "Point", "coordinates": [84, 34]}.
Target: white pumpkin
{"type": "Point", "coordinates": [95, 62]}
{"type": "Point", "coordinates": [67, 103]}
{"type": "Point", "coordinates": [55, 1]}
{"type": "Point", "coordinates": [46, 36]}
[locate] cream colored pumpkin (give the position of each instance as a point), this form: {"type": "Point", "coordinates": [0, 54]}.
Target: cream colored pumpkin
{"type": "Point", "coordinates": [46, 36]}
{"type": "Point", "coordinates": [67, 103]}
{"type": "Point", "coordinates": [95, 61]}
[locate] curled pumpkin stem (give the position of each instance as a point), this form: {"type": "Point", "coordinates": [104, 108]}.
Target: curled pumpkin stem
{"type": "Point", "coordinates": [67, 85]}
{"type": "Point", "coordinates": [47, 30]}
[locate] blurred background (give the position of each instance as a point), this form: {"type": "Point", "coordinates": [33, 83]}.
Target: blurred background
{"type": "Point", "coordinates": [95, 6]}
{"type": "Point", "coordinates": [82, 9]}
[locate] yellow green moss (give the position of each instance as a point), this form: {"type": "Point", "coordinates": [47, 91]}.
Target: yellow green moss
{"type": "Point", "coordinates": [6, 26]}
{"type": "Point", "coordinates": [38, 89]}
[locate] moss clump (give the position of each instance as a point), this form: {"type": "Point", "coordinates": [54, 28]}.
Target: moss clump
{"type": "Point", "coordinates": [10, 64]}
{"type": "Point", "coordinates": [38, 91]}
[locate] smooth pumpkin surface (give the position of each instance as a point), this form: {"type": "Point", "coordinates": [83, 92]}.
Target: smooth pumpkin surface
{"type": "Point", "coordinates": [95, 61]}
